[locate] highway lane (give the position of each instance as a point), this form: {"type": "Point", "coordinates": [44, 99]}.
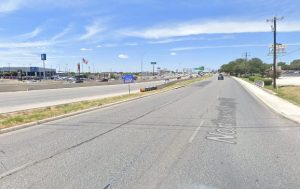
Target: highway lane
{"type": "Point", "coordinates": [212, 134]}
{"type": "Point", "coordinates": [16, 101]}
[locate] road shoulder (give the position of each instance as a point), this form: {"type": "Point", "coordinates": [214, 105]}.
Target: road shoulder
{"type": "Point", "coordinates": [277, 104]}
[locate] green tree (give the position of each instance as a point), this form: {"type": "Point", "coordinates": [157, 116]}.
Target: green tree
{"type": "Point", "coordinates": [240, 67]}
{"type": "Point", "coordinates": [295, 64]}
{"type": "Point", "coordinates": [255, 66]}
{"type": "Point", "coordinates": [283, 65]}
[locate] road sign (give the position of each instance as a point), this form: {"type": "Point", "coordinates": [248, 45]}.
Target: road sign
{"type": "Point", "coordinates": [43, 57]}
{"type": "Point", "coordinates": [128, 78]}
{"type": "Point", "coordinates": [200, 68]}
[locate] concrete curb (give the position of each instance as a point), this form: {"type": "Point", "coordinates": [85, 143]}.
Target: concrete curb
{"type": "Point", "coordinates": [23, 126]}
{"type": "Point", "coordinates": [275, 103]}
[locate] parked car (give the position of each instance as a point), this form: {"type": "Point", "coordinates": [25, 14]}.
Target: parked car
{"type": "Point", "coordinates": [104, 80]}
{"type": "Point", "coordinates": [78, 81]}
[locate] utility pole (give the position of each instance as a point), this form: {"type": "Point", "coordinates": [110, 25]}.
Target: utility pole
{"type": "Point", "coordinates": [246, 60]}
{"type": "Point", "coordinates": [246, 56]}
{"type": "Point", "coordinates": [274, 28]}
{"type": "Point", "coordinates": [142, 62]}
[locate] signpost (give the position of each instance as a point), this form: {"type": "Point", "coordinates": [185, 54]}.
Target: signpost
{"type": "Point", "coordinates": [43, 58]}
{"type": "Point", "coordinates": [78, 68]}
{"type": "Point", "coordinates": [129, 78]}
{"type": "Point", "coordinates": [153, 63]}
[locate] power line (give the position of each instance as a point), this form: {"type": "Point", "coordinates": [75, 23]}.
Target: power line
{"type": "Point", "coordinates": [293, 51]}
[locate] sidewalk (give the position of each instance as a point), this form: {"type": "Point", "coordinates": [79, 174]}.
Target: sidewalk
{"type": "Point", "coordinates": [276, 103]}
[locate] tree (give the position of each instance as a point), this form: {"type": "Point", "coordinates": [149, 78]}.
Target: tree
{"type": "Point", "coordinates": [242, 67]}
{"type": "Point", "coordinates": [283, 65]}
{"type": "Point", "coordinates": [256, 66]}
{"type": "Point", "coordinates": [295, 64]}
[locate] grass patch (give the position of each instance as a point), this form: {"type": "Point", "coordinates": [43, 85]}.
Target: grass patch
{"type": "Point", "coordinates": [289, 93]}
{"type": "Point", "coordinates": [28, 116]}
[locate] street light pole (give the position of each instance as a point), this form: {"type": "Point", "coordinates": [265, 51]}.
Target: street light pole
{"type": "Point", "coordinates": [142, 62]}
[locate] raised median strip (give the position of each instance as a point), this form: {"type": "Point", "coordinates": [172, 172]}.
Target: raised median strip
{"type": "Point", "coordinates": [19, 120]}
{"type": "Point", "coordinates": [277, 104]}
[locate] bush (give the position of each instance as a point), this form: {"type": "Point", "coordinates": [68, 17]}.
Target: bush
{"type": "Point", "coordinates": [252, 78]}
{"type": "Point", "coordinates": [268, 81]}
{"type": "Point", "coordinates": [255, 78]}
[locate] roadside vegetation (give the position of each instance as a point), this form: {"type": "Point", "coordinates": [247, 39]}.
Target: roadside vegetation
{"type": "Point", "coordinates": [255, 66]}
{"type": "Point", "coordinates": [255, 71]}
{"type": "Point", "coordinates": [290, 93]}
{"type": "Point", "coordinates": [29, 116]}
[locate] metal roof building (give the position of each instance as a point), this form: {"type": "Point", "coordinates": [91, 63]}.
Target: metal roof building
{"type": "Point", "coordinates": [29, 71]}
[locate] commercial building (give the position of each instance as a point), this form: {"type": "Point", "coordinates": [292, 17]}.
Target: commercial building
{"type": "Point", "coordinates": [28, 71]}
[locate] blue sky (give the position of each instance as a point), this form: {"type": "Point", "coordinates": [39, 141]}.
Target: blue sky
{"type": "Point", "coordinates": [118, 34]}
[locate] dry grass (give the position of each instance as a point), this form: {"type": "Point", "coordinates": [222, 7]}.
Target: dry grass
{"type": "Point", "coordinates": [28, 116]}
{"type": "Point", "coordinates": [290, 93]}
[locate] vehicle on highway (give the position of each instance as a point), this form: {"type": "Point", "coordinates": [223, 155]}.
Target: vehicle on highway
{"type": "Point", "coordinates": [104, 80]}
{"type": "Point", "coordinates": [78, 81]}
{"type": "Point", "coordinates": [220, 77]}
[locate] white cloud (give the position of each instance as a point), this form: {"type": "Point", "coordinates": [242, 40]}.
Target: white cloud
{"type": "Point", "coordinates": [173, 53]}
{"type": "Point", "coordinates": [86, 49]}
{"type": "Point", "coordinates": [7, 6]}
{"type": "Point", "coordinates": [63, 33]}
{"type": "Point", "coordinates": [33, 44]}
{"type": "Point", "coordinates": [99, 46]}
{"type": "Point", "coordinates": [131, 44]}
{"type": "Point", "coordinates": [172, 40]}
{"type": "Point", "coordinates": [218, 47]}
{"type": "Point", "coordinates": [123, 56]}
{"type": "Point", "coordinates": [211, 27]}
{"type": "Point", "coordinates": [197, 38]}
{"type": "Point", "coordinates": [32, 34]}
{"type": "Point", "coordinates": [92, 30]}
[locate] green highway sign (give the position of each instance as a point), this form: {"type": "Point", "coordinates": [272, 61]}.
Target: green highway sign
{"type": "Point", "coordinates": [201, 68]}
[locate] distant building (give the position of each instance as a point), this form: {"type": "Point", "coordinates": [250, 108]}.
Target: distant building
{"type": "Point", "coordinates": [29, 71]}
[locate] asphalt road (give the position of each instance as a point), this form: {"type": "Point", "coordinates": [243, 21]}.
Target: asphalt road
{"type": "Point", "coordinates": [212, 134]}
{"type": "Point", "coordinates": [22, 100]}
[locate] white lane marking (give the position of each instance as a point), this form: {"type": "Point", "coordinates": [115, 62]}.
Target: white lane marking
{"type": "Point", "coordinates": [196, 132]}
{"type": "Point", "coordinates": [10, 172]}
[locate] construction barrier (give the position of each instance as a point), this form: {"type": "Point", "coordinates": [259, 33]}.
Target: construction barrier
{"type": "Point", "coordinates": [148, 89]}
